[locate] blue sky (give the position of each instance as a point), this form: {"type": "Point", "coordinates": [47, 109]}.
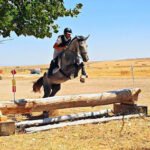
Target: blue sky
{"type": "Point", "coordinates": [119, 29]}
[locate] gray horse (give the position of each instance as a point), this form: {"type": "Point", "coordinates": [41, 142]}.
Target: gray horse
{"type": "Point", "coordinates": [69, 66]}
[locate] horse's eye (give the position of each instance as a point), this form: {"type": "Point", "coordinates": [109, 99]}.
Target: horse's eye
{"type": "Point", "coordinates": [82, 43]}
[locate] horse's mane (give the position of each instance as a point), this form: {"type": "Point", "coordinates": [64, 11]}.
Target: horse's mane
{"type": "Point", "coordinates": [72, 40]}
{"type": "Point", "coordinates": [80, 38]}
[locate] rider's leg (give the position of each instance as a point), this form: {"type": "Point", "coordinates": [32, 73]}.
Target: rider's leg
{"type": "Point", "coordinates": [56, 62]}
{"type": "Point", "coordinates": [51, 67]}
{"type": "Point", "coordinates": [53, 64]}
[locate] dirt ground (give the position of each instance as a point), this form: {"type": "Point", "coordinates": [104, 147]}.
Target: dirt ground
{"type": "Point", "coordinates": [132, 134]}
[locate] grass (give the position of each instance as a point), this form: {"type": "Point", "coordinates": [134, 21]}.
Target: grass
{"type": "Point", "coordinates": [133, 135]}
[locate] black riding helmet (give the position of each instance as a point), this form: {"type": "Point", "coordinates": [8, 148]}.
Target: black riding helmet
{"type": "Point", "coordinates": [67, 30]}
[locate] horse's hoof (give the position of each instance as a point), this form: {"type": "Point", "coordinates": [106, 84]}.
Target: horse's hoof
{"type": "Point", "coordinates": [45, 114]}
{"type": "Point", "coordinates": [82, 79]}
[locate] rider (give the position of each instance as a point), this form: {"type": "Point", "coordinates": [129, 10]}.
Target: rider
{"type": "Point", "coordinates": [60, 45]}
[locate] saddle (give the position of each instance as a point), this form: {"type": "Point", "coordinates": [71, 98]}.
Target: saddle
{"type": "Point", "coordinates": [56, 65]}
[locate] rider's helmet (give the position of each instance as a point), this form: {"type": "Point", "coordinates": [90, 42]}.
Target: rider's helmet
{"type": "Point", "coordinates": [67, 30]}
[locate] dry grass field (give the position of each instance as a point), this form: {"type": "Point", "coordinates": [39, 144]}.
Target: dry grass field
{"type": "Point", "coordinates": [103, 76]}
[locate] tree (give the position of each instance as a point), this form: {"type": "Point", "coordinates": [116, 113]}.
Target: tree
{"type": "Point", "coordinates": [33, 17]}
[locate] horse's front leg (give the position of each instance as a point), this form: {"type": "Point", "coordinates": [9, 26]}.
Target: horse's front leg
{"type": "Point", "coordinates": [83, 73]}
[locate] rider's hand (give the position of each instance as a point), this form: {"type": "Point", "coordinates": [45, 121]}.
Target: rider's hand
{"type": "Point", "coordinates": [65, 47]}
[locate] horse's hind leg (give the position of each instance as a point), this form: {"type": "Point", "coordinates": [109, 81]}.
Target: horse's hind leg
{"type": "Point", "coordinates": [50, 91]}
{"type": "Point", "coordinates": [47, 90]}
{"type": "Point", "coordinates": [55, 89]}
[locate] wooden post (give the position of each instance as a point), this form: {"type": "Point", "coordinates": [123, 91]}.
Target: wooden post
{"type": "Point", "coordinates": [129, 109]}
{"type": "Point", "coordinates": [7, 128]}
{"type": "Point", "coordinates": [2, 117]}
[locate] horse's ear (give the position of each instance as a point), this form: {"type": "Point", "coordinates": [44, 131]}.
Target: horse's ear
{"type": "Point", "coordinates": [82, 38]}
{"type": "Point", "coordinates": [87, 37]}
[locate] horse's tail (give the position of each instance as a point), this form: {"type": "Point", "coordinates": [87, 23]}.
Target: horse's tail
{"type": "Point", "coordinates": [37, 85]}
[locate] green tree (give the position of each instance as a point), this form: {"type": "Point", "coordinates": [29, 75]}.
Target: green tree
{"type": "Point", "coordinates": [33, 17]}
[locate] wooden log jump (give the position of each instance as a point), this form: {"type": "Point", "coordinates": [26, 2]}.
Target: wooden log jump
{"type": "Point", "coordinates": [79, 122]}
{"type": "Point", "coordinates": [24, 106]}
{"type": "Point", "coordinates": [70, 117]}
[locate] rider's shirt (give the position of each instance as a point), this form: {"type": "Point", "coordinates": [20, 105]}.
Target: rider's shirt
{"type": "Point", "coordinates": [61, 41]}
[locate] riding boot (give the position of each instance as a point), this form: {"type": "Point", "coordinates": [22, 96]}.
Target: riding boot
{"type": "Point", "coordinates": [53, 64]}
{"type": "Point", "coordinates": [56, 62]}
{"type": "Point", "coordinates": [50, 70]}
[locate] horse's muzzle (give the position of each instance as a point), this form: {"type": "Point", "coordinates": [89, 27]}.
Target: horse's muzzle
{"type": "Point", "coordinates": [85, 58]}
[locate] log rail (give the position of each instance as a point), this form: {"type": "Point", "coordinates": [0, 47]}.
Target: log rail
{"type": "Point", "coordinates": [24, 106]}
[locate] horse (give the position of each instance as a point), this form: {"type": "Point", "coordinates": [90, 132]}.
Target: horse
{"type": "Point", "coordinates": [70, 65]}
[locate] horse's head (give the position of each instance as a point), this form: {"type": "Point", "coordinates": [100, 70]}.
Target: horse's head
{"type": "Point", "coordinates": [83, 47]}
{"type": "Point", "coordinates": [79, 45]}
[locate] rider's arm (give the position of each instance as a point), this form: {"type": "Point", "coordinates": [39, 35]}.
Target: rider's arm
{"type": "Point", "coordinates": [57, 45]}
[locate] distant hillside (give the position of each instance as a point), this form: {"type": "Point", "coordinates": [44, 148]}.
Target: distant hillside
{"type": "Point", "coordinates": [116, 68]}
{"type": "Point", "coordinates": [120, 68]}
